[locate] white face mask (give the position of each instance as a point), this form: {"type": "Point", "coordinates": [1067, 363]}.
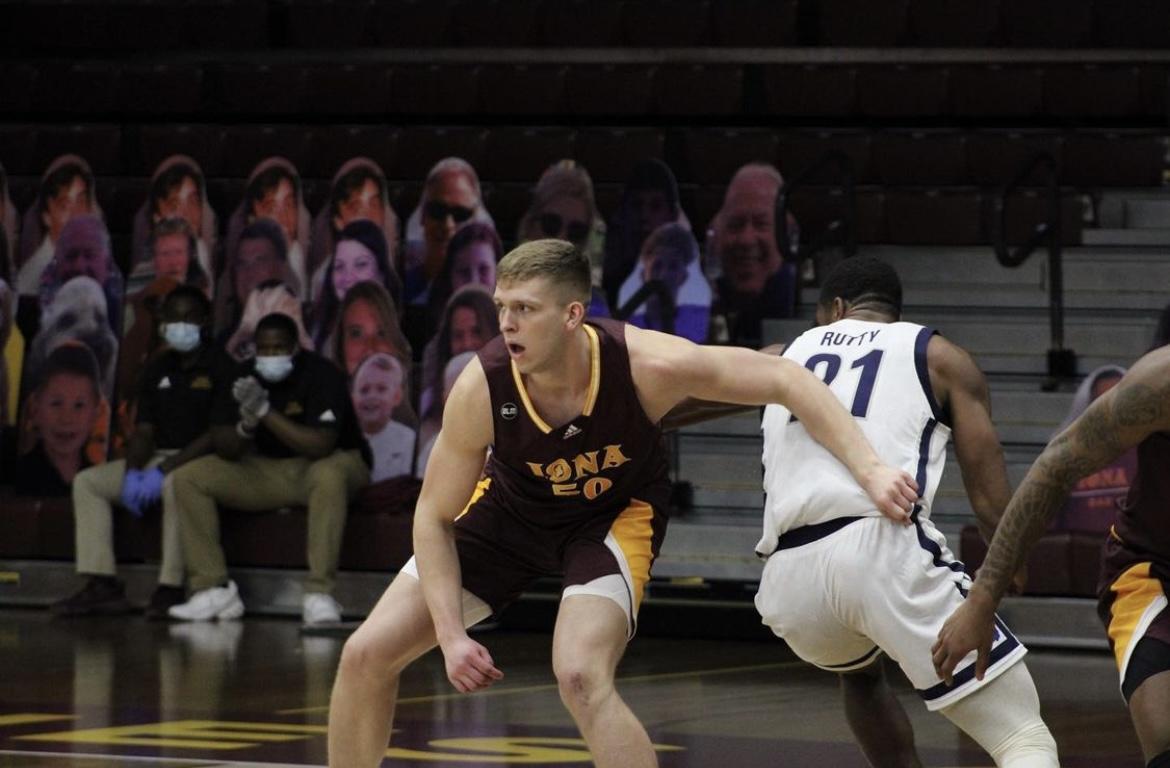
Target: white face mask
{"type": "Point", "coordinates": [182, 337]}
{"type": "Point", "coordinates": [274, 368]}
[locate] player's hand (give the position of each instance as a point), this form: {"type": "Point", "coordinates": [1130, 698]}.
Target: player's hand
{"type": "Point", "coordinates": [469, 665]}
{"type": "Point", "coordinates": [893, 491]}
{"type": "Point", "coordinates": [970, 628]}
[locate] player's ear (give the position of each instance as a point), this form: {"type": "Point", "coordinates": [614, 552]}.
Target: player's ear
{"type": "Point", "coordinates": [575, 314]}
{"type": "Point", "coordinates": [838, 309]}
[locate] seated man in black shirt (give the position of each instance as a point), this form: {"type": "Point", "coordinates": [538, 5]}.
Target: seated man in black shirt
{"type": "Point", "coordinates": [173, 400]}
{"type": "Point", "coordinates": [286, 438]}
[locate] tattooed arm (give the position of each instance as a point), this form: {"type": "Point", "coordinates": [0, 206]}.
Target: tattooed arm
{"type": "Point", "coordinates": [1136, 408]}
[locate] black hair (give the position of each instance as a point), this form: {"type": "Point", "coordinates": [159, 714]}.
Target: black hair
{"type": "Point", "coordinates": [268, 179]}
{"type": "Point", "coordinates": [185, 291]}
{"type": "Point", "coordinates": [353, 180]}
{"type": "Point", "coordinates": [864, 280]}
{"type": "Point", "coordinates": [171, 179]}
{"type": "Point", "coordinates": [266, 229]}
{"type": "Point", "coordinates": [653, 174]}
{"type": "Point", "coordinates": [73, 358]}
{"type": "Point", "coordinates": [63, 176]}
{"type": "Point", "coordinates": [279, 321]}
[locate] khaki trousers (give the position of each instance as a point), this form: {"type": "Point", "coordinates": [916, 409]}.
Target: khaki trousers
{"type": "Point", "coordinates": [95, 490]}
{"type": "Point", "coordinates": [257, 484]}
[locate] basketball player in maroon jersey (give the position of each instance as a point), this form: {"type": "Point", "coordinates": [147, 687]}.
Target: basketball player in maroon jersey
{"type": "Point", "coordinates": [575, 485]}
{"type": "Point", "coordinates": [1135, 578]}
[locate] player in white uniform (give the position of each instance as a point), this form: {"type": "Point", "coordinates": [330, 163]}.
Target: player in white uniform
{"type": "Point", "coordinates": [842, 585]}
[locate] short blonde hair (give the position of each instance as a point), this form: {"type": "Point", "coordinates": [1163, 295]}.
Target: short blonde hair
{"type": "Point", "coordinates": [561, 262]}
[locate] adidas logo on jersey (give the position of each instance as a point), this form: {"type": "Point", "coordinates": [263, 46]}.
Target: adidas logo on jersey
{"type": "Point", "coordinates": [572, 431]}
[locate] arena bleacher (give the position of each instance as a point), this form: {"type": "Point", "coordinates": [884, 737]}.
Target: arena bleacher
{"type": "Point", "coordinates": [937, 107]}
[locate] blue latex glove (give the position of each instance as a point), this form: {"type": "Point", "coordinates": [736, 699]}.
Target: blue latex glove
{"type": "Point", "coordinates": [132, 491]}
{"type": "Point", "coordinates": [150, 487]}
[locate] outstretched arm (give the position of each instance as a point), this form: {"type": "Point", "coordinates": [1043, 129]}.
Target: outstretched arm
{"type": "Point", "coordinates": [1120, 419]}
{"type": "Point", "coordinates": [692, 411]}
{"type": "Point", "coordinates": [668, 369]}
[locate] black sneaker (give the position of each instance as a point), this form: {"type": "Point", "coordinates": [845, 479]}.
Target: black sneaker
{"type": "Point", "coordinates": [163, 597]}
{"type": "Point", "coordinates": [101, 596]}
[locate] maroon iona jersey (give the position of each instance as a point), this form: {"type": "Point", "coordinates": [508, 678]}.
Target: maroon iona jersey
{"type": "Point", "coordinates": [559, 476]}
{"type": "Point", "coordinates": [1144, 522]}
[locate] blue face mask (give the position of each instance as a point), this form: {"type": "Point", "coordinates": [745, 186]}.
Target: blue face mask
{"type": "Point", "coordinates": [182, 337]}
{"type": "Point", "coordinates": [274, 368]}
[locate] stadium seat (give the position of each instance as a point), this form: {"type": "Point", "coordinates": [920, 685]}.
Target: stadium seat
{"type": "Point", "coordinates": [363, 88]}
{"type": "Point", "coordinates": [857, 24]}
{"type": "Point", "coordinates": [902, 91]}
{"type": "Point", "coordinates": [754, 23]}
{"type": "Point", "coordinates": [953, 23]}
{"type": "Point", "coordinates": [495, 23]}
{"type": "Point", "coordinates": [816, 207]}
{"type": "Point", "coordinates": [800, 150]}
{"type": "Point", "coordinates": [259, 89]}
{"type": "Point", "coordinates": [337, 144]}
{"type": "Point", "coordinates": [712, 155]}
{"type": "Point", "coordinates": [598, 90]}
{"type": "Point", "coordinates": [665, 23]}
{"type": "Point", "coordinates": [161, 89]}
{"type": "Point", "coordinates": [935, 158]}
{"type": "Point", "coordinates": [100, 145]}
{"type": "Point", "coordinates": [935, 216]}
{"type": "Point", "coordinates": [229, 24]}
{"type": "Point", "coordinates": [1047, 23]}
{"type": "Point", "coordinates": [65, 87]}
{"type": "Point", "coordinates": [337, 24]}
{"type": "Point", "coordinates": [411, 23]}
{"type": "Point", "coordinates": [421, 147]}
{"type": "Point", "coordinates": [696, 89]}
{"type": "Point", "coordinates": [17, 82]}
{"type": "Point", "coordinates": [435, 89]}
{"type": "Point", "coordinates": [582, 23]}
{"type": "Point", "coordinates": [994, 157]}
{"type": "Point", "coordinates": [996, 91]}
{"type": "Point", "coordinates": [1093, 91]}
{"type": "Point", "coordinates": [18, 145]}
{"type": "Point", "coordinates": [156, 142]}
{"type": "Point", "coordinates": [1114, 159]}
{"type": "Point", "coordinates": [1132, 23]}
{"type": "Point", "coordinates": [609, 154]}
{"type": "Point", "coordinates": [247, 145]}
{"type": "Point", "coordinates": [521, 89]}
{"type": "Point", "coordinates": [522, 154]}
{"type": "Point", "coordinates": [1028, 208]}
{"type": "Point", "coordinates": [810, 90]}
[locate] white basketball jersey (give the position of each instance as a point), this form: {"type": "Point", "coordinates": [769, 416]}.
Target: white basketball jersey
{"type": "Point", "coordinates": [879, 373]}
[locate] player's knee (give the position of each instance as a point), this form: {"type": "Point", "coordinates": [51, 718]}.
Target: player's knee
{"type": "Point", "coordinates": [365, 656]}
{"type": "Point", "coordinates": [1029, 746]}
{"type": "Point", "coordinates": [581, 685]}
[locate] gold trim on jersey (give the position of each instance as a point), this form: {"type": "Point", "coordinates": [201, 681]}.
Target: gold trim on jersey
{"type": "Point", "coordinates": [1136, 590]}
{"type": "Point", "coordinates": [480, 489]}
{"type": "Point", "coordinates": [590, 396]}
{"type": "Point", "coordinates": [634, 532]}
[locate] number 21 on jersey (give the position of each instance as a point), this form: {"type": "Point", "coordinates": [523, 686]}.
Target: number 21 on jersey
{"type": "Point", "coordinates": [827, 365]}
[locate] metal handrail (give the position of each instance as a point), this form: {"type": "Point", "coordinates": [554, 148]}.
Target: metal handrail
{"type": "Point", "coordinates": [843, 229]}
{"type": "Point", "coordinates": [1062, 362]}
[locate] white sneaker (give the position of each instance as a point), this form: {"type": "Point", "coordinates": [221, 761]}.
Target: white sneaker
{"type": "Point", "coordinates": [320, 608]}
{"type": "Point", "coordinates": [208, 604]}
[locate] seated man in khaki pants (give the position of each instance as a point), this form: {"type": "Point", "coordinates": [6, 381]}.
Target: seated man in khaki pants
{"type": "Point", "coordinates": [173, 411]}
{"type": "Point", "coordinates": [287, 438]}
